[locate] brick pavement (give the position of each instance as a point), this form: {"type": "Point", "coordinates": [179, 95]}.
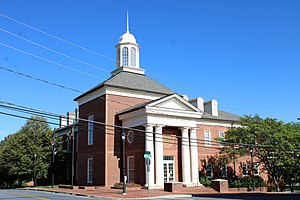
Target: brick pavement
{"type": "Point", "coordinates": [137, 193]}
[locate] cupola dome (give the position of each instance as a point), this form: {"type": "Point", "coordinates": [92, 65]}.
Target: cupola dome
{"type": "Point", "coordinates": [128, 53]}
{"type": "Point", "coordinates": [127, 38]}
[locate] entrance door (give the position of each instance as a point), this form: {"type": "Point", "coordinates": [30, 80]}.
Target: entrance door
{"type": "Point", "coordinates": [169, 169]}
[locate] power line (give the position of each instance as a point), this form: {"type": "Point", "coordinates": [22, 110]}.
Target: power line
{"type": "Point", "coordinates": [55, 37]}
{"type": "Point", "coordinates": [41, 80]}
{"type": "Point", "coordinates": [102, 55]}
{"type": "Point", "coordinates": [27, 112]}
{"type": "Point", "coordinates": [116, 131]}
{"type": "Point", "coordinates": [19, 116]}
{"type": "Point", "coordinates": [59, 85]}
{"type": "Point", "coordinates": [54, 51]}
{"type": "Point", "coordinates": [44, 82]}
{"type": "Point", "coordinates": [138, 130]}
{"type": "Point", "coordinates": [47, 60]}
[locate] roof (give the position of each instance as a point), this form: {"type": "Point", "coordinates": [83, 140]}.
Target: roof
{"type": "Point", "coordinates": [132, 81]}
{"type": "Point", "coordinates": [222, 116]}
{"type": "Point", "coordinates": [138, 106]}
{"type": "Point", "coordinates": [225, 116]}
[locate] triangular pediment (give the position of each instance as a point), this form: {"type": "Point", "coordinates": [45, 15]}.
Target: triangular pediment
{"type": "Point", "coordinates": [174, 102]}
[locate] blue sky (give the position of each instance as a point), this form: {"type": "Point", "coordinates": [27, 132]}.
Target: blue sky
{"type": "Point", "coordinates": [245, 54]}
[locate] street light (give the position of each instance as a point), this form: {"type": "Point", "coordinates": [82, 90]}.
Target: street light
{"type": "Point", "coordinates": [34, 169]}
{"type": "Point", "coordinates": [123, 136]}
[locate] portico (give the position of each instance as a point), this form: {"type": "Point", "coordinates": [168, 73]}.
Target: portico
{"type": "Point", "coordinates": [169, 117]}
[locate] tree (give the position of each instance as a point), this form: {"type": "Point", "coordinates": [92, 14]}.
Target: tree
{"type": "Point", "coordinates": [230, 153]}
{"type": "Point", "coordinates": [26, 152]}
{"type": "Point", "coordinates": [272, 142]}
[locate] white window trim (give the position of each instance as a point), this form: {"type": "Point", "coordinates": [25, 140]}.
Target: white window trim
{"type": "Point", "coordinates": [222, 144]}
{"type": "Point", "coordinates": [212, 171]}
{"type": "Point", "coordinates": [125, 56]}
{"type": "Point", "coordinates": [225, 171]}
{"type": "Point", "coordinates": [256, 174]}
{"type": "Point", "coordinates": [247, 170]}
{"type": "Point", "coordinates": [207, 142]}
{"type": "Point", "coordinates": [128, 174]}
{"type": "Point", "coordinates": [88, 170]}
{"type": "Point", "coordinates": [90, 132]}
{"type": "Point", "coordinates": [133, 56]}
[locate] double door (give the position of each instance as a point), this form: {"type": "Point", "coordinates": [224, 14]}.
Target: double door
{"type": "Point", "coordinates": [169, 169]}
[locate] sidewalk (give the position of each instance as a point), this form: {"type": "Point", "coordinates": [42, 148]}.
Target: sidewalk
{"type": "Point", "coordinates": [132, 193]}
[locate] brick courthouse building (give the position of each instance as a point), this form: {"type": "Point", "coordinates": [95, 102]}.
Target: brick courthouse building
{"type": "Point", "coordinates": [178, 132]}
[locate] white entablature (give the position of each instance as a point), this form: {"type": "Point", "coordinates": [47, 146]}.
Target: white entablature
{"type": "Point", "coordinates": [172, 110]}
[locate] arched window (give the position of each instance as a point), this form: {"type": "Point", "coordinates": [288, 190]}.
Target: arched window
{"type": "Point", "coordinates": [133, 56]}
{"type": "Point", "coordinates": [125, 56]}
{"type": "Point", "coordinates": [118, 57]}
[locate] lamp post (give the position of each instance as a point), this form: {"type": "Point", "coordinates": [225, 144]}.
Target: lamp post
{"type": "Point", "coordinates": [252, 175]}
{"type": "Point", "coordinates": [123, 136]}
{"type": "Point", "coordinates": [34, 169]}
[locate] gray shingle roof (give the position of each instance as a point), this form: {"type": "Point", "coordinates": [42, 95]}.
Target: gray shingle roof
{"type": "Point", "coordinates": [133, 81]}
{"type": "Point", "coordinates": [222, 116]}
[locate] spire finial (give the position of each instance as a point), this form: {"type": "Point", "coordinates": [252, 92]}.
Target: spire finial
{"type": "Point", "coordinates": [127, 23]}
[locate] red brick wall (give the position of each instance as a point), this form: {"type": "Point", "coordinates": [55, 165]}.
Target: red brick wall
{"type": "Point", "coordinates": [113, 136]}
{"type": "Point", "coordinates": [173, 148]}
{"type": "Point", "coordinates": [96, 151]}
{"type": "Point", "coordinates": [204, 152]}
{"type": "Point", "coordinates": [137, 149]}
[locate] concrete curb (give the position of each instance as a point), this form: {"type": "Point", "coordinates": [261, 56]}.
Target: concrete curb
{"type": "Point", "coordinates": [173, 196]}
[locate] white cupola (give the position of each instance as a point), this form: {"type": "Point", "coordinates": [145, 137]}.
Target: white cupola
{"type": "Point", "coordinates": [128, 53]}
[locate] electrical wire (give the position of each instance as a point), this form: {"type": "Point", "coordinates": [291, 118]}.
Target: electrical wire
{"type": "Point", "coordinates": [54, 51]}
{"type": "Point", "coordinates": [55, 37]}
{"type": "Point", "coordinates": [59, 85]}
{"type": "Point", "coordinates": [138, 130]}
{"type": "Point", "coordinates": [99, 54]}
{"type": "Point", "coordinates": [50, 61]}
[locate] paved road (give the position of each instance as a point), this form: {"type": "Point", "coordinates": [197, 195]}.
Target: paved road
{"type": "Point", "coordinates": [250, 196]}
{"type": "Point", "coordinates": [36, 195]}
{"type": "Point", "coordinates": [241, 197]}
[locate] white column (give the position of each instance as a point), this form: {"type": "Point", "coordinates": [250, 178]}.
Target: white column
{"type": "Point", "coordinates": [194, 155]}
{"type": "Point", "coordinates": [150, 147]}
{"type": "Point", "coordinates": [159, 152]}
{"type": "Point", "coordinates": [185, 148]}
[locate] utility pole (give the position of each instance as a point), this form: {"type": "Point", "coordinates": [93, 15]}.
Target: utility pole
{"type": "Point", "coordinates": [53, 158]}
{"type": "Point", "coordinates": [34, 169]}
{"type": "Point", "coordinates": [123, 136]}
{"type": "Point", "coordinates": [73, 152]}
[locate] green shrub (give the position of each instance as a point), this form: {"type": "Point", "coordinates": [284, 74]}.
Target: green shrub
{"type": "Point", "coordinates": [129, 185]}
{"type": "Point", "coordinates": [205, 181]}
{"type": "Point", "coordinates": [246, 182]}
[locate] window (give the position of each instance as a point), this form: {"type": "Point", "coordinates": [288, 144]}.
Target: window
{"type": "Point", "coordinates": [222, 138]}
{"type": "Point", "coordinates": [133, 57]}
{"type": "Point", "coordinates": [90, 170]}
{"type": "Point", "coordinates": [255, 169]}
{"type": "Point", "coordinates": [168, 158]}
{"type": "Point", "coordinates": [125, 56]}
{"type": "Point", "coordinates": [224, 170]}
{"type": "Point", "coordinates": [91, 130]}
{"type": "Point", "coordinates": [207, 138]}
{"type": "Point", "coordinates": [130, 163]}
{"type": "Point", "coordinates": [209, 171]}
{"type": "Point", "coordinates": [245, 169]}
